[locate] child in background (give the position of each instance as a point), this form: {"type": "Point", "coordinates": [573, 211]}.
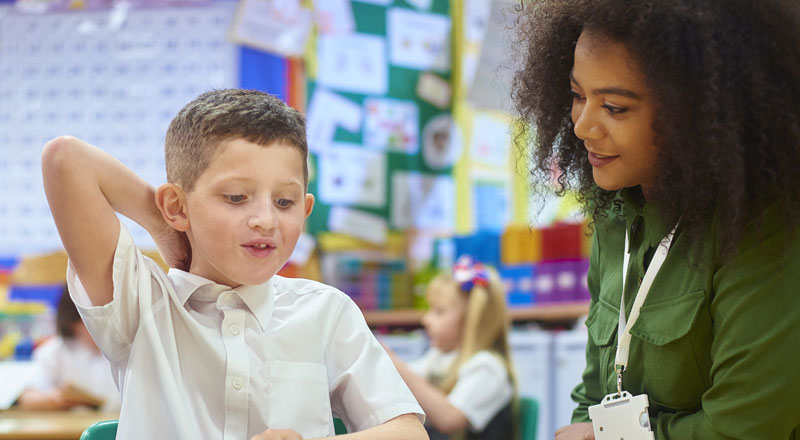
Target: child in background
{"type": "Point", "coordinates": [72, 371]}
{"type": "Point", "coordinates": [220, 347]}
{"type": "Point", "coordinates": [465, 381]}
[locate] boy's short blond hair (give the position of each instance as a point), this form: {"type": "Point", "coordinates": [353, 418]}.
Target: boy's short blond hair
{"type": "Point", "coordinates": [198, 131]}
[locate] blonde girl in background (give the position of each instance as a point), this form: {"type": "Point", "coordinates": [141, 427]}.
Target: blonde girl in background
{"type": "Point", "coordinates": [465, 381]}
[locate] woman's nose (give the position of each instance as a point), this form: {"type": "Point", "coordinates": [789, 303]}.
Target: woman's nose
{"type": "Point", "coordinates": [586, 123]}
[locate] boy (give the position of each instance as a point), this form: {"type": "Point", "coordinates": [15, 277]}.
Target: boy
{"type": "Point", "coordinates": [228, 349]}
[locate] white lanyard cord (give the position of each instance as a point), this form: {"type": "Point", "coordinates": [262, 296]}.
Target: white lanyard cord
{"type": "Point", "coordinates": [624, 329]}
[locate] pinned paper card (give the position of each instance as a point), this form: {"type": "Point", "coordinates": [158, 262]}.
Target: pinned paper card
{"type": "Point", "coordinates": [422, 201]}
{"type": "Point", "coordinates": [491, 205]}
{"type": "Point", "coordinates": [418, 40]}
{"type": "Point", "coordinates": [352, 175]}
{"type": "Point", "coordinates": [359, 224]}
{"type": "Point", "coordinates": [352, 63]}
{"type": "Point", "coordinates": [391, 124]}
{"type": "Point", "coordinates": [420, 4]}
{"type": "Point", "coordinates": [434, 89]}
{"type": "Point", "coordinates": [327, 111]}
{"type": "Point", "coordinates": [491, 140]}
{"type": "Point", "coordinates": [334, 16]}
{"type": "Point", "coordinates": [441, 142]}
{"type": "Point", "coordinates": [280, 26]}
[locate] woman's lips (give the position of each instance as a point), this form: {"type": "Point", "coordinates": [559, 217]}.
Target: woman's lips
{"type": "Point", "coordinates": [598, 160]}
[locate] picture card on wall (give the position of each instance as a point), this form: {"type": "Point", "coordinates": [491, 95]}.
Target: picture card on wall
{"type": "Point", "coordinates": [352, 175]}
{"type": "Point", "coordinates": [418, 40]}
{"type": "Point", "coordinates": [422, 201]}
{"type": "Point", "coordinates": [359, 224]}
{"type": "Point", "coordinates": [352, 63]}
{"type": "Point", "coordinates": [490, 140]}
{"type": "Point", "coordinates": [441, 142]}
{"type": "Point", "coordinates": [280, 26]}
{"type": "Point", "coordinates": [391, 124]}
{"type": "Point", "coordinates": [327, 111]}
{"type": "Point", "coordinates": [334, 16]}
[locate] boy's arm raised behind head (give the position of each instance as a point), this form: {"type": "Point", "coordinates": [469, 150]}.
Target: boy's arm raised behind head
{"type": "Point", "coordinates": [84, 187]}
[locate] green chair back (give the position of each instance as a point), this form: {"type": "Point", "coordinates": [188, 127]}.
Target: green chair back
{"type": "Point", "coordinates": [105, 430]}
{"type": "Point", "coordinates": [338, 426]}
{"type": "Point", "coordinates": [528, 416]}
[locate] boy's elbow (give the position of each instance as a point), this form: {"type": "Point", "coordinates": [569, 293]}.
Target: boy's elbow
{"type": "Point", "coordinates": [56, 153]}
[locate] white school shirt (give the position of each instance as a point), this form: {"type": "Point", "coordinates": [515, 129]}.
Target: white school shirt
{"type": "Point", "coordinates": [195, 359]}
{"type": "Point", "coordinates": [483, 387]}
{"type": "Point", "coordinates": [62, 361]}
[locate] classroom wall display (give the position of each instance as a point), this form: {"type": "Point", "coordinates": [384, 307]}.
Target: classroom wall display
{"type": "Point", "coordinates": [114, 78]}
{"type": "Point", "coordinates": [366, 111]}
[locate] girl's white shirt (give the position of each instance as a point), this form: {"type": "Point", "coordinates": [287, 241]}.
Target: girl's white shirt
{"type": "Point", "coordinates": [483, 387]}
{"type": "Point", "coordinates": [62, 361]}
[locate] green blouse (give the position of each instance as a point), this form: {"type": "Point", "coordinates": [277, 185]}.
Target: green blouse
{"type": "Point", "coordinates": [716, 347]}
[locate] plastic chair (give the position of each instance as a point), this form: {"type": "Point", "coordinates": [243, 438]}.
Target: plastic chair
{"type": "Point", "coordinates": [105, 430]}
{"type": "Point", "coordinates": [529, 417]}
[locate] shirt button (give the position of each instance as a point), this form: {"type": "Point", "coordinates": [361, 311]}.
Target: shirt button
{"type": "Point", "coordinates": [230, 299]}
{"type": "Point", "coordinates": [237, 383]}
{"type": "Point", "coordinates": [234, 329]}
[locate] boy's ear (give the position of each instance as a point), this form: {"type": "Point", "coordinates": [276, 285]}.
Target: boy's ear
{"type": "Point", "coordinates": [171, 201]}
{"type": "Point", "coordinates": [309, 203]}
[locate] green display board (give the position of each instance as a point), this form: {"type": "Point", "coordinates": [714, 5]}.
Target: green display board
{"type": "Point", "coordinates": [371, 19]}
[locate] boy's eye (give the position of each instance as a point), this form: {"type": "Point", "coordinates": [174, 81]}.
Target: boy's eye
{"type": "Point", "coordinates": [284, 203]}
{"type": "Point", "coordinates": [235, 198]}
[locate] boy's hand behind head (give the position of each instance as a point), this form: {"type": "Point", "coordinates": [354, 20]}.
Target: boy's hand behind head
{"type": "Point", "coordinates": [174, 247]}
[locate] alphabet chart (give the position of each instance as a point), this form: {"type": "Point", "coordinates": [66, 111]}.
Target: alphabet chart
{"type": "Point", "coordinates": [114, 78]}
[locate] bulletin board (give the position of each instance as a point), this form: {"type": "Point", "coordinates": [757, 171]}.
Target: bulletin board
{"type": "Point", "coordinates": [114, 78]}
{"type": "Point", "coordinates": [378, 158]}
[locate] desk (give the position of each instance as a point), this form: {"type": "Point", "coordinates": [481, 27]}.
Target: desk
{"type": "Point", "coordinates": [47, 425]}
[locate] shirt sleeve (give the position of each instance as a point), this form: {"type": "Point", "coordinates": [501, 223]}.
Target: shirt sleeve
{"type": "Point", "coordinates": [366, 389]}
{"type": "Point", "coordinates": [483, 388]}
{"type": "Point", "coordinates": [588, 392]}
{"type": "Point", "coordinates": [754, 382]}
{"type": "Point", "coordinates": [114, 325]}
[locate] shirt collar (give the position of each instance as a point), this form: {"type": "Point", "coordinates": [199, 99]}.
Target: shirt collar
{"type": "Point", "coordinates": [260, 299]}
{"type": "Point", "coordinates": [636, 207]}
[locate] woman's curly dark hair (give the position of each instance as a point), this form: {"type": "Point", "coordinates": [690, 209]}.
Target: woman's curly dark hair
{"type": "Point", "coordinates": [725, 75]}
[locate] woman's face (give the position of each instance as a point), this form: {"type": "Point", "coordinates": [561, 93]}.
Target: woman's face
{"type": "Point", "coordinates": [613, 114]}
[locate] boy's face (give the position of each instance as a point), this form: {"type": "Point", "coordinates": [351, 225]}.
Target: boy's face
{"type": "Point", "coordinates": [246, 212]}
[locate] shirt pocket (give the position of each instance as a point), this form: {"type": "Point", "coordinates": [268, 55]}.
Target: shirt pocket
{"type": "Point", "coordinates": [602, 323]}
{"type": "Point", "coordinates": [297, 398]}
{"type": "Point", "coordinates": [673, 353]}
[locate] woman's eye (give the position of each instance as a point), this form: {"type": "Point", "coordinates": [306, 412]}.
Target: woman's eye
{"type": "Point", "coordinates": [614, 110]}
{"type": "Point", "coordinates": [576, 96]}
{"type": "Point", "coordinates": [235, 198]}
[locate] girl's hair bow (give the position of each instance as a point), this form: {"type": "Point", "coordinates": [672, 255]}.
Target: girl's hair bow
{"type": "Point", "coordinates": [468, 273]}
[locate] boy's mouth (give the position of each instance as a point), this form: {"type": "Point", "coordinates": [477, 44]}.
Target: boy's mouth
{"type": "Point", "coordinates": [260, 244]}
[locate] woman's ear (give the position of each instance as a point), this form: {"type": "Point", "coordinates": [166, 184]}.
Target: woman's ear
{"type": "Point", "coordinates": [171, 201]}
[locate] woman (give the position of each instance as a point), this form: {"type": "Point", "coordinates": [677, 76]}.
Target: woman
{"type": "Point", "coordinates": [677, 122]}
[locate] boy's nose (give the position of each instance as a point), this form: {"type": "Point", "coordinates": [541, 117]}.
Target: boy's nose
{"type": "Point", "coordinates": [262, 218]}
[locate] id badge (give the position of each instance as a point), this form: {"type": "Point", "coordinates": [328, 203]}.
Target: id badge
{"type": "Point", "coordinates": [621, 417]}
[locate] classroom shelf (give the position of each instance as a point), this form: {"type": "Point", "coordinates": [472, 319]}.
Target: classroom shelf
{"type": "Point", "coordinates": [553, 312]}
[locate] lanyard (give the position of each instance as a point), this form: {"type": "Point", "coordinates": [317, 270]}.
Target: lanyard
{"type": "Point", "coordinates": [624, 329]}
